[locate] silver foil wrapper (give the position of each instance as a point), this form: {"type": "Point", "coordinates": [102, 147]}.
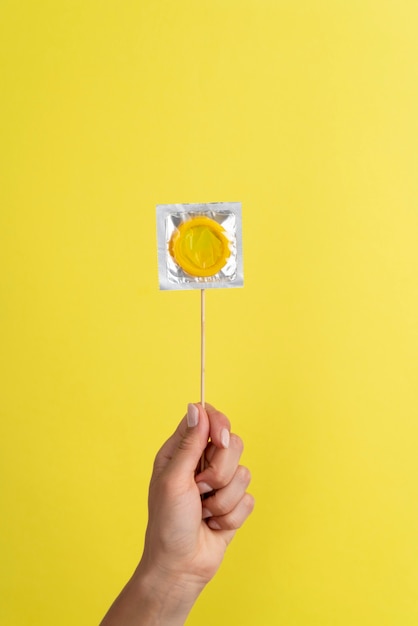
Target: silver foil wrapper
{"type": "Point", "coordinates": [228, 216]}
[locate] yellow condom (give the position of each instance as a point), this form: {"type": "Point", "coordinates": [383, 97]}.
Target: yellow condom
{"type": "Point", "coordinates": [199, 246]}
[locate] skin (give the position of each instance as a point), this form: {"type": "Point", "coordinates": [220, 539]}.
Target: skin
{"type": "Point", "coordinates": [187, 536]}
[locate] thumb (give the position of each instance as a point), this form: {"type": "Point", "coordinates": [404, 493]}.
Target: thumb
{"type": "Point", "coordinates": [191, 439]}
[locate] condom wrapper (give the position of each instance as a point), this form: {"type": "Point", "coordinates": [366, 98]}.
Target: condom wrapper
{"type": "Point", "coordinates": [200, 245]}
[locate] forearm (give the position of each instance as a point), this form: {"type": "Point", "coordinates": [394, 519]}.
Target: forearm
{"type": "Point", "coordinates": [151, 599]}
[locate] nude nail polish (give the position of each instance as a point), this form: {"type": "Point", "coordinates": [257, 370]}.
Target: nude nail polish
{"type": "Point", "coordinates": [204, 488]}
{"type": "Point", "coordinates": [214, 524]}
{"type": "Point", "coordinates": [225, 438]}
{"type": "Point", "coordinates": [192, 415]}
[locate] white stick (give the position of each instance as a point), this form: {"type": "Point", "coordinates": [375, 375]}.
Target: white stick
{"type": "Point", "coordinates": [202, 361]}
{"type": "Point", "coordinates": [202, 347]}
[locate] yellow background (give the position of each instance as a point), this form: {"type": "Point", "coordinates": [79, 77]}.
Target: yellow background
{"type": "Point", "coordinates": [306, 112]}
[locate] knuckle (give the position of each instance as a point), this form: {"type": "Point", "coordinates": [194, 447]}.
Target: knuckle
{"type": "Point", "coordinates": [249, 502]}
{"type": "Point", "coordinates": [227, 422]}
{"type": "Point", "coordinates": [236, 442]}
{"type": "Point", "coordinates": [237, 517]}
{"type": "Point", "coordinates": [244, 474]}
{"type": "Point", "coordinates": [234, 520]}
{"type": "Point", "coordinates": [186, 443]}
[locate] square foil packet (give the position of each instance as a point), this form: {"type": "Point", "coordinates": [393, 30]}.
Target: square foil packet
{"type": "Point", "coordinates": [200, 245]}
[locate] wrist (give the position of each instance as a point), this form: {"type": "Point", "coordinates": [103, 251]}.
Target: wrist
{"type": "Point", "coordinates": [153, 598]}
{"type": "Point", "coordinates": [165, 596]}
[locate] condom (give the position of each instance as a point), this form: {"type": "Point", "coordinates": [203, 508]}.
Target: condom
{"type": "Point", "coordinates": [200, 245]}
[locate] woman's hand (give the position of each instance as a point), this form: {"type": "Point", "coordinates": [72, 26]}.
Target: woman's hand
{"type": "Point", "coordinates": [193, 516]}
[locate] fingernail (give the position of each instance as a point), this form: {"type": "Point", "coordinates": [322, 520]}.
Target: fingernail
{"type": "Point", "coordinates": [225, 437]}
{"type": "Point", "coordinates": [214, 524]}
{"type": "Point", "coordinates": [204, 488]}
{"type": "Point", "coordinates": [192, 415]}
{"type": "Point", "coordinates": [206, 513]}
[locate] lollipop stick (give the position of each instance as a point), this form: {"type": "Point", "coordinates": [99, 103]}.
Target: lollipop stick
{"type": "Point", "coordinates": [202, 347]}
{"type": "Point", "coordinates": [202, 361]}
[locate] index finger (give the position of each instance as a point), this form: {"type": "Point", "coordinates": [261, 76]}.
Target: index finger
{"type": "Point", "coordinates": [219, 426]}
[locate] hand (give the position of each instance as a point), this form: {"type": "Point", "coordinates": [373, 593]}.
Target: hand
{"type": "Point", "coordinates": [186, 536]}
